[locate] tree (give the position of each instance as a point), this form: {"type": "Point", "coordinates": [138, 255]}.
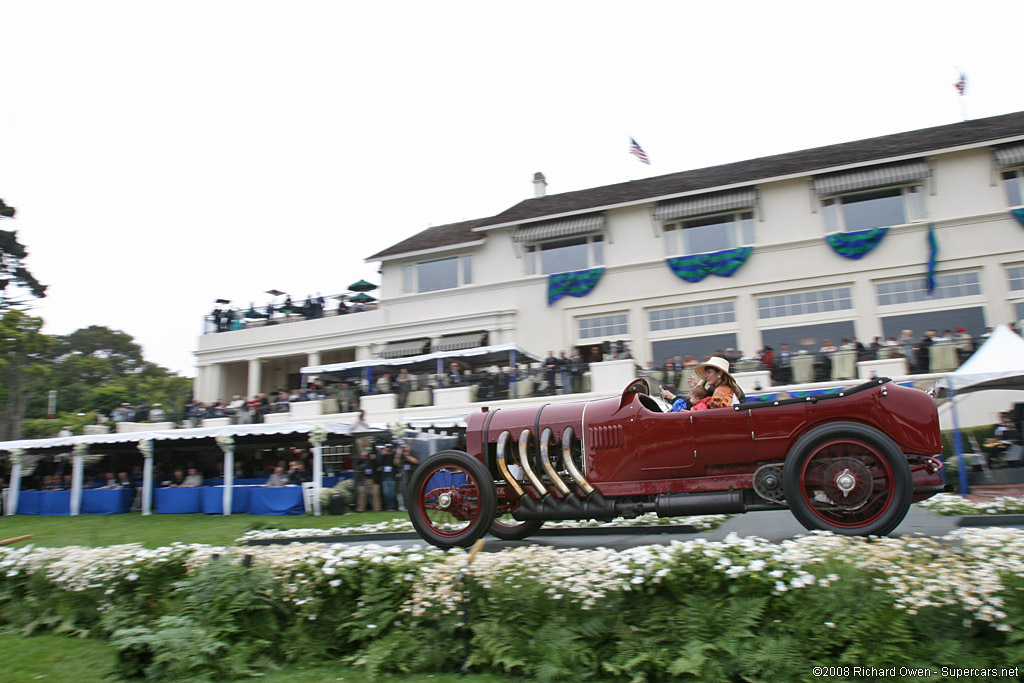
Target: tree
{"type": "Point", "coordinates": [97, 368]}
{"type": "Point", "coordinates": [24, 366]}
{"type": "Point", "coordinates": [12, 267]}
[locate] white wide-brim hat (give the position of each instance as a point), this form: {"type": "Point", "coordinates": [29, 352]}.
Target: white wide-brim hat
{"type": "Point", "coordinates": [713, 362]}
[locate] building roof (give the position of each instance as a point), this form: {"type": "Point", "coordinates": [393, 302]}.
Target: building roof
{"type": "Point", "coordinates": [736, 173]}
{"type": "Point", "coordinates": [432, 238]}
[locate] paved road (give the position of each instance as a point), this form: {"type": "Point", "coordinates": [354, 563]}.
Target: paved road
{"type": "Point", "coordinates": [778, 525]}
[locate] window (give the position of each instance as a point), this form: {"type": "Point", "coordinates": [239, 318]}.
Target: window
{"type": "Point", "coordinates": [709, 233]}
{"type": "Point", "coordinates": [430, 276]}
{"type": "Point", "coordinates": [1015, 277]}
{"type": "Point", "coordinates": [804, 303]}
{"type": "Point", "coordinates": [874, 209]}
{"type": "Point", "coordinates": [564, 256]}
{"type": "Point", "coordinates": [614, 325]}
{"type": "Point", "coordinates": [692, 316]}
{"type": "Point", "coordinates": [1013, 185]}
{"type": "Point", "coordinates": [915, 290]}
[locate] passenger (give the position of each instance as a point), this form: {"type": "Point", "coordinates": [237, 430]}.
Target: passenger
{"type": "Point", "coordinates": [697, 399]}
{"type": "Point", "coordinates": [725, 390]}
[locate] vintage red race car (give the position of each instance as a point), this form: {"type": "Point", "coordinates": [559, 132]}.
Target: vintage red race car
{"type": "Point", "coordinates": [850, 462]}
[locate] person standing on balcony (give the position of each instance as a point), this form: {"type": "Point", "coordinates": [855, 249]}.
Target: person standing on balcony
{"type": "Point", "coordinates": [404, 382]}
{"type": "Point", "coordinates": [550, 370]}
{"type": "Point", "coordinates": [576, 367]}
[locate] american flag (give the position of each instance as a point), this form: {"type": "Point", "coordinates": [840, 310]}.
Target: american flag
{"type": "Point", "coordinates": [636, 150]}
{"type": "Point", "coordinates": [961, 84]}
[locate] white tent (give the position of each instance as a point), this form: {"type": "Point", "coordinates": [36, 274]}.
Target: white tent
{"type": "Point", "coordinates": [997, 364]}
{"type": "Point", "coordinates": [225, 437]}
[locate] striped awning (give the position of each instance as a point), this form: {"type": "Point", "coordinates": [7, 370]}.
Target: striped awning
{"type": "Point", "coordinates": [872, 176]}
{"type": "Point", "coordinates": [1009, 155]}
{"type": "Point", "coordinates": [401, 349]}
{"type": "Point", "coordinates": [564, 227]}
{"type": "Point", "coordinates": [456, 342]}
{"type": "Point", "coordinates": [702, 204]}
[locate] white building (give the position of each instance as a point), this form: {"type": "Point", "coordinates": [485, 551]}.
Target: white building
{"type": "Point", "coordinates": [488, 279]}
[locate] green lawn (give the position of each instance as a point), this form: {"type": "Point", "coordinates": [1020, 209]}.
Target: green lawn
{"type": "Point", "coordinates": [73, 660]}
{"type": "Point", "coordinates": [160, 530]}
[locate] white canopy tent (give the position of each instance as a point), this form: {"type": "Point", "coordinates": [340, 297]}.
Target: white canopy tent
{"type": "Point", "coordinates": [997, 364]}
{"type": "Point", "coordinates": [318, 433]}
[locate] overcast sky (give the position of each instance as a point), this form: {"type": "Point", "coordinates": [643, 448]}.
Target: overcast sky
{"type": "Point", "coordinates": [164, 154]}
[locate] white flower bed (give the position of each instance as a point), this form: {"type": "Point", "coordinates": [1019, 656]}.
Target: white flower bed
{"type": "Point", "coordinates": [963, 569]}
{"type": "Point", "coordinates": [917, 572]}
{"type": "Point", "coordinates": [701, 522]}
{"type": "Point", "coordinates": [954, 504]}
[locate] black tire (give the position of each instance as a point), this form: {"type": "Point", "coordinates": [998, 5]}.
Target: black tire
{"type": "Point", "coordinates": [849, 479]}
{"type": "Point", "coordinates": [451, 499]}
{"type": "Point", "coordinates": [515, 531]}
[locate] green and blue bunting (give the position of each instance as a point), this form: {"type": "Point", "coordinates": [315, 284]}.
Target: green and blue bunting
{"type": "Point", "coordinates": [815, 392]}
{"type": "Point", "coordinates": [1018, 214]}
{"type": "Point", "coordinates": [855, 245]}
{"type": "Point", "coordinates": [577, 283]}
{"type": "Point", "coordinates": [697, 267]}
{"type": "Point", "coordinates": [933, 256]}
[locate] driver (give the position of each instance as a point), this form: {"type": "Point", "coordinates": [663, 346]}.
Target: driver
{"type": "Point", "coordinates": [723, 387]}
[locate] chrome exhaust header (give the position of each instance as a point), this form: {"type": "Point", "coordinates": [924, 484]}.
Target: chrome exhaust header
{"type": "Point", "coordinates": [570, 466]}
{"type": "Point", "coordinates": [545, 441]}
{"type": "Point", "coordinates": [501, 455]}
{"type": "Point", "coordinates": [524, 462]}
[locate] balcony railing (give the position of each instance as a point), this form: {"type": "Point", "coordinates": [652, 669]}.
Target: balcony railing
{"type": "Point", "coordinates": [229, 320]}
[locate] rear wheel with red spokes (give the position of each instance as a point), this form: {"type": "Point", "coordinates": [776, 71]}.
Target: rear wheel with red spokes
{"type": "Point", "coordinates": [848, 478]}
{"type": "Point", "coordinates": [453, 500]}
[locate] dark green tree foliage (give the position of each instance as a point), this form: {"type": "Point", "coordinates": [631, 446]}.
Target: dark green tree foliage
{"type": "Point", "coordinates": [97, 368]}
{"type": "Point", "coordinates": [13, 270]}
{"type": "Point", "coordinates": [24, 367]}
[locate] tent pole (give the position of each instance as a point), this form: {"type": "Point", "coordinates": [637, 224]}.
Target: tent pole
{"type": "Point", "coordinates": [15, 488]}
{"type": "Point", "coordinates": [77, 470]}
{"type": "Point", "coordinates": [147, 476]}
{"type": "Point", "coordinates": [513, 373]}
{"type": "Point", "coordinates": [958, 448]}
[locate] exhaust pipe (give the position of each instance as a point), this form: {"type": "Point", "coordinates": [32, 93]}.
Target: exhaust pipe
{"type": "Point", "coordinates": [524, 462]}
{"type": "Point", "coordinates": [500, 455]}
{"type": "Point", "coordinates": [719, 503]}
{"type": "Point", "coordinates": [545, 441]}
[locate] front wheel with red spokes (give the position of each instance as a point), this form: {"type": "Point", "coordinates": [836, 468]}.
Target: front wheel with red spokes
{"type": "Point", "coordinates": [453, 501]}
{"type": "Point", "coordinates": [848, 478]}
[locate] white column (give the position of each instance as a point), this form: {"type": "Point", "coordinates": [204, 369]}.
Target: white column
{"type": "Point", "coordinates": [364, 352]}
{"type": "Point", "coordinates": [146, 447]}
{"type": "Point", "coordinates": [227, 444]}
{"type": "Point", "coordinates": [255, 379]}
{"type": "Point", "coordinates": [77, 467]}
{"type": "Point", "coordinates": [317, 437]}
{"type": "Point", "coordinates": [208, 383]}
{"type": "Point", "coordinates": [313, 358]}
{"type": "Point", "coordinates": [15, 485]}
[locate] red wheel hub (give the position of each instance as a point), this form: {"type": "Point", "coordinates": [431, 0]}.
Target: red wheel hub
{"type": "Point", "coordinates": [846, 483]}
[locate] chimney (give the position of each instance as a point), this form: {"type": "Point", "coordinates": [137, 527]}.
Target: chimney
{"type": "Point", "coordinates": [539, 185]}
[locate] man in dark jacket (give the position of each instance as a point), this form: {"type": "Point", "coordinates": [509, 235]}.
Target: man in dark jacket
{"type": "Point", "coordinates": [550, 370]}
{"type": "Point", "coordinates": [367, 478]}
{"type": "Point", "coordinates": [576, 366]}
